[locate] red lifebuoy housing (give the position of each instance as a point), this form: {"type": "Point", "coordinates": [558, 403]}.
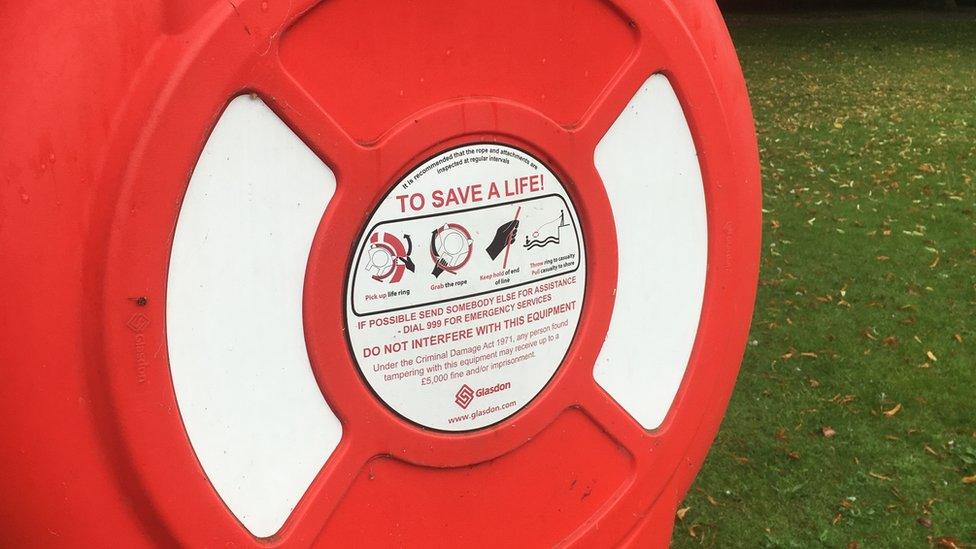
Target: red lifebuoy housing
{"type": "Point", "coordinates": [386, 273]}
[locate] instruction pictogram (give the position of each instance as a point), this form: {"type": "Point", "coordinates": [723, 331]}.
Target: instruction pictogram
{"type": "Point", "coordinates": [450, 248]}
{"type": "Point", "coordinates": [547, 233]}
{"type": "Point", "coordinates": [387, 257]}
{"type": "Point", "coordinates": [504, 237]}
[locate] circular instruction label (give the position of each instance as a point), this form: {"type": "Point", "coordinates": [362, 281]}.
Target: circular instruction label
{"type": "Point", "coordinates": [466, 287]}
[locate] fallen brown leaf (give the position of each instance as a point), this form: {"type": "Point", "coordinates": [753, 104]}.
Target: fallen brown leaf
{"type": "Point", "coordinates": [971, 479]}
{"type": "Point", "coordinates": [931, 356]}
{"type": "Point", "coordinates": [948, 543]}
{"type": "Point", "coordinates": [878, 476]}
{"type": "Point", "coordinates": [828, 432]}
{"type": "Point", "coordinates": [682, 512]}
{"type": "Point", "coordinates": [893, 411]}
{"type": "Point", "coordinates": [924, 522]}
{"type": "Point", "coordinates": [843, 399]}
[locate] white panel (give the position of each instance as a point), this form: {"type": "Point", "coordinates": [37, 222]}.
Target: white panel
{"type": "Point", "coordinates": [253, 411]}
{"type": "Point", "coordinates": [650, 168]}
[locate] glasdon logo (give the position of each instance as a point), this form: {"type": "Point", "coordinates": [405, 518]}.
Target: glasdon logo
{"type": "Point", "coordinates": [466, 394]}
{"type": "Point", "coordinates": [485, 391]}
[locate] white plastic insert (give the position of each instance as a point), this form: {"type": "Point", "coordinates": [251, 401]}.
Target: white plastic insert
{"type": "Point", "coordinates": [649, 164]}
{"type": "Point", "coordinates": [254, 414]}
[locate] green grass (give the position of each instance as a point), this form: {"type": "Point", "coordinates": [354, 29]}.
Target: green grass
{"type": "Point", "coordinates": [867, 297]}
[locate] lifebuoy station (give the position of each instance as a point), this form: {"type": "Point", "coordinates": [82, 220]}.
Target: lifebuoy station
{"type": "Point", "coordinates": [367, 273]}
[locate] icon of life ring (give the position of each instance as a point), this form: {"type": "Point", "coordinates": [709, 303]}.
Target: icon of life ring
{"type": "Point", "coordinates": [450, 248]}
{"type": "Point", "coordinates": [387, 257]}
